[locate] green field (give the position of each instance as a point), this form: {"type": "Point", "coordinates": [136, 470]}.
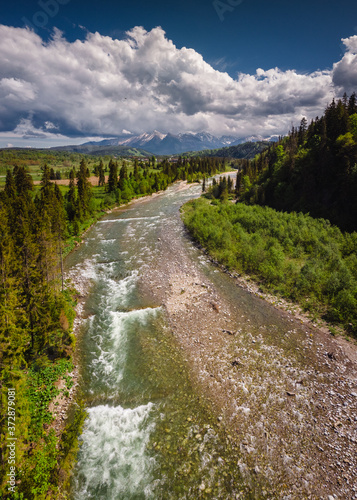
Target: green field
{"type": "Point", "coordinates": [60, 161]}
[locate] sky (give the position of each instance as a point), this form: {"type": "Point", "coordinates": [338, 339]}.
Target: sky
{"type": "Point", "coordinates": [74, 70]}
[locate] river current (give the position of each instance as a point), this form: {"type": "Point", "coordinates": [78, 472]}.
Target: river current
{"type": "Point", "coordinates": [133, 380]}
{"type": "Point", "coordinates": [149, 432]}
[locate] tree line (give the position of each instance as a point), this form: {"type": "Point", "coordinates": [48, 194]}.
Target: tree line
{"type": "Point", "coordinates": [36, 314]}
{"type": "Point", "coordinates": [312, 170]}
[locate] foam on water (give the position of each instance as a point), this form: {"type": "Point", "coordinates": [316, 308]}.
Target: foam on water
{"type": "Point", "coordinates": [110, 332]}
{"type": "Point", "coordinates": [119, 293]}
{"type": "Point", "coordinates": [115, 294]}
{"type": "Point", "coordinates": [83, 275]}
{"type": "Point", "coordinates": [113, 461]}
{"type": "Point", "coordinates": [109, 329]}
{"type": "Point", "coordinates": [128, 219]}
{"type": "Point", "coordinates": [86, 270]}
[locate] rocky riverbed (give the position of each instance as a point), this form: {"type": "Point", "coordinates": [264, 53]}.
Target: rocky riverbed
{"type": "Point", "coordinates": [288, 400]}
{"type": "Point", "coordinates": [284, 389]}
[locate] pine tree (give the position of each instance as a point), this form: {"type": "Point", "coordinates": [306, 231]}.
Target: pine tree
{"type": "Point", "coordinates": [84, 190]}
{"type": "Point", "coordinates": [123, 176]}
{"type": "Point", "coordinates": [13, 325]}
{"type": "Point", "coordinates": [46, 176]}
{"type": "Point", "coordinates": [23, 181]}
{"type": "Point", "coordinates": [302, 130]}
{"type": "Point", "coordinates": [101, 180]}
{"type": "Point", "coordinates": [10, 186]}
{"type": "Point", "coordinates": [71, 196]}
{"type": "Point", "coordinates": [113, 176]}
{"type": "Point", "coordinates": [352, 104]}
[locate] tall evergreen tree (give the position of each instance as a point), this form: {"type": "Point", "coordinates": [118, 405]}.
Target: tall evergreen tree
{"type": "Point", "coordinates": [113, 176]}
{"type": "Point", "coordinates": [352, 104]}
{"type": "Point", "coordinates": [71, 196]}
{"type": "Point", "coordinates": [84, 189]}
{"type": "Point", "coordinates": [10, 186]}
{"type": "Point", "coordinates": [123, 176]}
{"type": "Point", "coordinates": [23, 181]}
{"type": "Point", "coordinates": [101, 174]}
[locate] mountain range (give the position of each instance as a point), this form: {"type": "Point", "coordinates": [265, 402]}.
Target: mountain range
{"type": "Point", "coordinates": [157, 143]}
{"type": "Point", "coordinates": [168, 144]}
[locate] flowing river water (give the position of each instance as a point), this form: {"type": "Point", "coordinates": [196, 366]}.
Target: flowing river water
{"type": "Point", "coordinates": [151, 430]}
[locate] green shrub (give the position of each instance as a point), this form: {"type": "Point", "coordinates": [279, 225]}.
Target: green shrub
{"type": "Point", "coordinates": [306, 259]}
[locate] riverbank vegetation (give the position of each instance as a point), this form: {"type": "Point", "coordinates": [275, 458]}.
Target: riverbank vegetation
{"type": "Point", "coordinates": [304, 259]}
{"type": "Point", "coordinates": [39, 225]}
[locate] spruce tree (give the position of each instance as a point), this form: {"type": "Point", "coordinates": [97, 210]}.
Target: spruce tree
{"type": "Point", "coordinates": [101, 174]}
{"type": "Point", "coordinates": [123, 176]}
{"type": "Point", "coordinates": [23, 181]}
{"type": "Point", "coordinates": [84, 190]}
{"type": "Point", "coordinates": [71, 196]}
{"type": "Point", "coordinates": [113, 176]}
{"type": "Point", "coordinates": [10, 186]}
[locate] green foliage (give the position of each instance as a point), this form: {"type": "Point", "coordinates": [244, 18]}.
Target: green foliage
{"type": "Point", "coordinates": [41, 391]}
{"type": "Point", "coordinates": [353, 124]}
{"type": "Point", "coordinates": [113, 176]}
{"type": "Point", "coordinates": [247, 150]}
{"type": "Point", "coordinates": [36, 321]}
{"type": "Point", "coordinates": [60, 162]}
{"type": "Point", "coordinates": [312, 170]}
{"type": "Point", "coordinates": [305, 259]}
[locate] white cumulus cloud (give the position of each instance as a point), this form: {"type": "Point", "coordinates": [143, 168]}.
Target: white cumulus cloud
{"type": "Point", "coordinates": [103, 86]}
{"type": "Point", "coordinates": [345, 71]}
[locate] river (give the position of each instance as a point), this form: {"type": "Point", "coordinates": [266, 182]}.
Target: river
{"type": "Point", "coordinates": [160, 421]}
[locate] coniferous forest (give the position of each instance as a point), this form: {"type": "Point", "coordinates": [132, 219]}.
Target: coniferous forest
{"type": "Point", "coordinates": [39, 225]}
{"type": "Point", "coordinates": [312, 170]}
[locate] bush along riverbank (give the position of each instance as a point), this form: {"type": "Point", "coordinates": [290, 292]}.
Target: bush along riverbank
{"type": "Point", "coordinates": [302, 259]}
{"type": "Point", "coordinates": [39, 226]}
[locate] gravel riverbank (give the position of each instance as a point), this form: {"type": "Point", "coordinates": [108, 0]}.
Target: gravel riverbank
{"type": "Point", "coordinates": [289, 403]}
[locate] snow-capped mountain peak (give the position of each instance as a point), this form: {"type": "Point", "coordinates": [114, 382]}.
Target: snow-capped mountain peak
{"type": "Point", "coordinates": [166, 143]}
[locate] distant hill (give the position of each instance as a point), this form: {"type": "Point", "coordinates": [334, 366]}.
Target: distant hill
{"type": "Point", "coordinates": [101, 150]}
{"type": "Point", "coordinates": [247, 150]}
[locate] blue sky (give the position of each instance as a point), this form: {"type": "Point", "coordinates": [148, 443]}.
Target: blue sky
{"type": "Point", "coordinates": [304, 35]}
{"type": "Point", "coordinates": [275, 62]}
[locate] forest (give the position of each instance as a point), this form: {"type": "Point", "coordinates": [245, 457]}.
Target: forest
{"type": "Point", "coordinates": [247, 150]}
{"type": "Point", "coordinates": [39, 225]}
{"type": "Point", "coordinates": [286, 219]}
{"type": "Point", "coordinates": [312, 170]}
